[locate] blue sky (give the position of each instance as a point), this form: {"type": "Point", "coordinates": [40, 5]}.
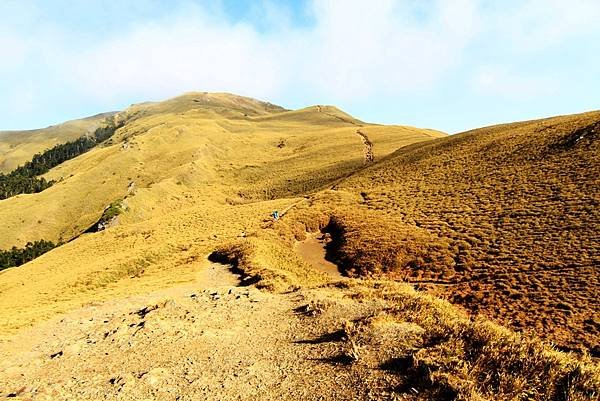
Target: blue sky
{"type": "Point", "coordinates": [446, 64]}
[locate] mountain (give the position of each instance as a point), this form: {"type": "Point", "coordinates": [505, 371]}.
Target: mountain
{"type": "Point", "coordinates": [239, 149]}
{"type": "Point", "coordinates": [174, 281]}
{"type": "Point", "coordinates": [17, 147]}
{"type": "Point", "coordinates": [187, 169]}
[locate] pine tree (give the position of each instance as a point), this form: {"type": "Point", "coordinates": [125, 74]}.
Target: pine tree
{"type": "Point", "coordinates": [17, 257]}
{"type": "Point", "coordinates": [24, 179]}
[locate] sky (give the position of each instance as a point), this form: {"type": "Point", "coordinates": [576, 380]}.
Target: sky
{"type": "Point", "coordinates": [451, 65]}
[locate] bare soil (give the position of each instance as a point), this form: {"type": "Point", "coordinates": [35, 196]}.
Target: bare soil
{"type": "Point", "coordinates": [215, 340]}
{"type": "Point", "coordinates": [212, 340]}
{"type": "Point", "coordinates": [369, 156]}
{"type": "Point", "coordinates": [313, 251]}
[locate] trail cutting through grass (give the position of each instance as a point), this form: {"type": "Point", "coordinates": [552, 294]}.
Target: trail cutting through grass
{"type": "Point", "coordinates": [209, 340]}
{"type": "Point", "coordinates": [368, 147]}
{"type": "Point", "coordinates": [344, 341]}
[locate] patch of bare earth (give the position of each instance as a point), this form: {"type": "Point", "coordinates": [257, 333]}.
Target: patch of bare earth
{"type": "Point", "coordinates": [346, 340]}
{"type": "Point", "coordinates": [213, 340]}
{"type": "Point", "coordinates": [313, 251]}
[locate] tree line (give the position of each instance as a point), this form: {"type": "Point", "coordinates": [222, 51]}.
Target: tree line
{"type": "Point", "coordinates": [24, 180]}
{"type": "Point", "coordinates": [18, 256]}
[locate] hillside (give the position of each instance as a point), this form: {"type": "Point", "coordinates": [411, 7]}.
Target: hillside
{"type": "Point", "coordinates": [190, 175]}
{"type": "Point", "coordinates": [194, 291]}
{"type": "Point", "coordinates": [503, 220]}
{"type": "Point", "coordinates": [169, 150]}
{"type": "Point", "coordinates": [17, 147]}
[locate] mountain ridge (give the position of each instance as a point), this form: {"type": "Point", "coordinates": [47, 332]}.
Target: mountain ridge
{"type": "Point", "coordinates": [18, 146]}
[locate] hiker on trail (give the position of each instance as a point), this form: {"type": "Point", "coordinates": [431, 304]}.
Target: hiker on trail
{"type": "Point", "coordinates": [275, 215]}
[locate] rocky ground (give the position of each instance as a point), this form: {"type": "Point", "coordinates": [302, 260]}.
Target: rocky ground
{"type": "Point", "coordinates": [213, 340]}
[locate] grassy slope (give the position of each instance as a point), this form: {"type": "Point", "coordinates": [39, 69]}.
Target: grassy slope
{"type": "Point", "coordinates": [17, 147]}
{"type": "Point", "coordinates": [204, 169]}
{"type": "Point", "coordinates": [503, 220]}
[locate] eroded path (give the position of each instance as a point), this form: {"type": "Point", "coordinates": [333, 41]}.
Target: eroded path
{"type": "Point", "coordinates": [213, 340]}
{"type": "Point", "coordinates": [368, 147]}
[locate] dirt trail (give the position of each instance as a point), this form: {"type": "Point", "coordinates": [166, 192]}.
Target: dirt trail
{"type": "Point", "coordinates": [368, 147]}
{"type": "Point", "coordinates": [211, 340]}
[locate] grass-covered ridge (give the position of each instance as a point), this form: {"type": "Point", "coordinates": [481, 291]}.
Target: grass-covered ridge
{"type": "Point", "coordinates": [25, 179]}
{"type": "Point", "coordinates": [503, 220]}
{"type": "Point", "coordinates": [18, 256]}
{"type": "Point", "coordinates": [420, 346]}
{"type": "Point", "coordinates": [193, 171]}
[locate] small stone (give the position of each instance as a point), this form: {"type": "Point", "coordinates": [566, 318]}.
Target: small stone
{"type": "Point", "coordinates": [155, 376]}
{"type": "Point", "coordinates": [56, 354]}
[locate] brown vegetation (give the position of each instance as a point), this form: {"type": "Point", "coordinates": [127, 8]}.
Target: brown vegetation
{"type": "Point", "coordinates": [504, 220]}
{"type": "Point", "coordinates": [435, 353]}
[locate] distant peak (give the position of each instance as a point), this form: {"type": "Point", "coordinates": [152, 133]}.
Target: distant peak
{"type": "Point", "coordinates": [218, 102]}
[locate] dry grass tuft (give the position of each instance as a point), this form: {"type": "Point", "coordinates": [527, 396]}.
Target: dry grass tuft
{"type": "Point", "coordinates": [362, 252]}
{"type": "Point", "coordinates": [269, 264]}
{"type": "Point", "coordinates": [436, 353]}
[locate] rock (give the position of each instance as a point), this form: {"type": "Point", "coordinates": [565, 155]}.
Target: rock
{"type": "Point", "coordinates": [74, 349]}
{"type": "Point", "coordinates": [155, 377]}
{"type": "Point", "coordinates": [126, 380]}
{"type": "Point", "coordinates": [145, 310]}
{"type": "Point", "coordinates": [56, 354]}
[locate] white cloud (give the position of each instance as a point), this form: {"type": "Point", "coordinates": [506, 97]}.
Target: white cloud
{"type": "Point", "coordinates": [14, 52]}
{"type": "Point", "coordinates": [538, 24]}
{"type": "Point", "coordinates": [180, 55]}
{"type": "Point", "coordinates": [498, 81]}
{"type": "Point", "coordinates": [353, 51]}
{"type": "Point", "coordinates": [361, 49]}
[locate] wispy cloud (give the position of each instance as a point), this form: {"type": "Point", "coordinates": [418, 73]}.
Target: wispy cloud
{"type": "Point", "coordinates": [353, 49]}
{"type": "Point", "coordinates": [535, 25]}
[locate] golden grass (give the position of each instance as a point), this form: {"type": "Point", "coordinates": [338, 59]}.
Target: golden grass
{"type": "Point", "coordinates": [181, 151]}
{"type": "Point", "coordinates": [202, 173]}
{"type": "Point", "coordinates": [438, 353]}
{"type": "Point", "coordinates": [427, 347]}
{"type": "Point", "coordinates": [195, 173]}
{"type": "Point", "coordinates": [17, 147]}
